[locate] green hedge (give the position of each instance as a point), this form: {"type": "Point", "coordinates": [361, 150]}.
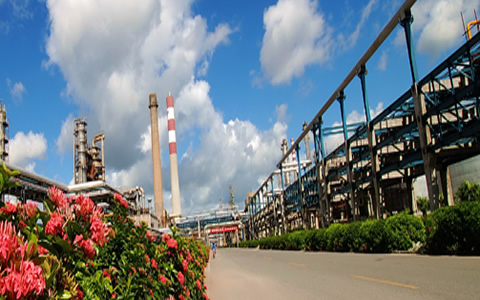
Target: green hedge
{"type": "Point", "coordinates": [454, 230]}
{"type": "Point", "coordinates": [448, 230]}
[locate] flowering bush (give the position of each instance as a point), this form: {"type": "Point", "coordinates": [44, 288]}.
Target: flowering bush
{"type": "Point", "coordinates": [72, 250]}
{"type": "Point", "coordinates": [134, 264]}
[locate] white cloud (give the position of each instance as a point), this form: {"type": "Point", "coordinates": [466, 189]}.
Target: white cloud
{"type": "Point", "coordinates": [64, 141]}
{"type": "Point", "coordinates": [439, 24]}
{"type": "Point", "coordinates": [17, 90]}
{"type": "Point", "coordinates": [25, 148]}
{"type": "Point", "coordinates": [366, 11]}
{"type": "Point", "coordinates": [382, 62]}
{"type": "Point", "coordinates": [113, 55]}
{"type": "Point", "coordinates": [21, 9]}
{"type": "Point", "coordinates": [295, 35]}
{"type": "Point", "coordinates": [227, 153]}
{"type": "Point", "coordinates": [281, 112]}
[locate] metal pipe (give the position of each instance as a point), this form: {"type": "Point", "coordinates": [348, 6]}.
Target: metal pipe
{"type": "Point", "coordinates": [469, 25]}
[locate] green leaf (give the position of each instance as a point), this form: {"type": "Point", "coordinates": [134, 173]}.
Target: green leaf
{"type": "Point", "coordinates": [65, 295]}
{"type": "Point", "coordinates": [45, 243]}
{"type": "Point", "coordinates": [49, 205]}
{"type": "Point", "coordinates": [64, 244]}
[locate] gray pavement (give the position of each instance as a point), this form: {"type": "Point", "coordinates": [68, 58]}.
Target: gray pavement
{"type": "Point", "coordinates": [271, 274]}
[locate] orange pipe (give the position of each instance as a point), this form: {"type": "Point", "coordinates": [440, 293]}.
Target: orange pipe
{"type": "Point", "coordinates": [469, 25]}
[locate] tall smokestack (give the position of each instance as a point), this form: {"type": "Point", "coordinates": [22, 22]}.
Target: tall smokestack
{"type": "Point", "coordinates": [157, 166]}
{"type": "Point", "coordinates": [172, 144]}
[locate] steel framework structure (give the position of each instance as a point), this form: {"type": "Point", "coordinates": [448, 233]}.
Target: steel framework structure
{"type": "Point", "coordinates": [432, 125]}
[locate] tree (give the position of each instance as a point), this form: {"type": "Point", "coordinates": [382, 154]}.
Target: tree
{"type": "Point", "coordinates": [423, 204]}
{"type": "Point", "coordinates": [468, 191]}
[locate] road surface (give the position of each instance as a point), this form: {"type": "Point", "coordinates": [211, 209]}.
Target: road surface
{"type": "Point", "coordinates": [272, 274]}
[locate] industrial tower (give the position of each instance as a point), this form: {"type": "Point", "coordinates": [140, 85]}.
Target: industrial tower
{"type": "Point", "coordinates": [157, 166]}
{"type": "Point", "coordinates": [3, 133]}
{"type": "Point", "coordinates": [172, 144]}
{"type": "Point", "coordinates": [89, 162]}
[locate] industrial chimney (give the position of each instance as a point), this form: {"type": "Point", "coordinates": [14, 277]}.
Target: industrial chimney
{"type": "Point", "coordinates": [157, 166]}
{"type": "Point", "coordinates": [172, 144]}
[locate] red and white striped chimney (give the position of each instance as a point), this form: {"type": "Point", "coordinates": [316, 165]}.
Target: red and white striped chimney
{"type": "Point", "coordinates": [172, 145]}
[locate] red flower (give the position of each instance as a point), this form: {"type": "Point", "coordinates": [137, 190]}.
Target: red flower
{"type": "Point", "coordinates": [162, 279]}
{"type": "Point", "coordinates": [180, 278]}
{"type": "Point", "coordinates": [30, 210]}
{"type": "Point", "coordinates": [22, 224]}
{"type": "Point", "coordinates": [22, 283]}
{"type": "Point", "coordinates": [42, 250]}
{"type": "Point", "coordinates": [149, 236]}
{"type": "Point", "coordinates": [134, 271]}
{"type": "Point", "coordinates": [8, 242]}
{"type": "Point", "coordinates": [199, 285]}
{"type": "Point", "coordinates": [105, 273]}
{"type": "Point", "coordinates": [79, 293]}
{"type": "Point", "coordinates": [185, 265]}
{"type": "Point", "coordinates": [85, 206]}
{"type": "Point", "coordinates": [54, 225]}
{"type": "Point", "coordinates": [172, 243]}
{"type": "Point", "coordinates": [119, 199]}
{"type": "Point", "coordinates": [57, 196]}
{"type": "Point", "coordinates": [114, 295]}
{"type": "Point", "coordinates": [181, 297]}
{"type": "Point", "coordinates": [165, 237]}
{"type": "Point", "coordinates": [87, 248]}
{"type": "Point", "coordinates": [99, 231]}
{"type": "Point", "coordinates": [154, 263]}
{"type": "Point", "coordinates": [10, 209]}
{"type": "Point", "coordinates": [151, 292]}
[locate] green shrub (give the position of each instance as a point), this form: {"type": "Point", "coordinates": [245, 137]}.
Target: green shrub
{"type": "Point", "coordinates": [296, 240]}
{"type": "Point", "coordinates": [249, 244]}
{"type": "Point", "coordinates": [310, 243]}
{"type": "Point", "coordinates": [354, 242]}
{"type": "Point", "coordinates": [467, 192]}
{"type": "Point", "coordinates": [454, 229]}
{"type": "Point", "coordinates": [374, 236]}
{"type": "Point", "coordinates": [336, 236]}
{"type": "Point", "coordinates": [320, 239]}
{"type": "Point", "coordinates": [404, 230]}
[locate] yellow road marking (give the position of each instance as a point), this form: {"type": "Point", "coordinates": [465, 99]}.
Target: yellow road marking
{"type": "Point", "coordinates": [297, 265]}
{"type": "Point", "coordinates": [413, 287]}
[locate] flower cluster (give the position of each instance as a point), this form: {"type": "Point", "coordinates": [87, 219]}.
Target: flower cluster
{"type": "Point", "coordinates": [69, 249]}
{"type": "Point", "coordinates": [19, 277]}
{"type": "Point", "coordinates": [120, 200]}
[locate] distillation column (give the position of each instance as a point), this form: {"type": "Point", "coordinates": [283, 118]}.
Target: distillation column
{"type": "Point", "coordinates": [172, 144]}
{"type": "Point", "coordinates": [157, 166]}
{"type": "Point", "coordinates": [80, 150]}
{"type": "Point", "coordinates": [3, 133]}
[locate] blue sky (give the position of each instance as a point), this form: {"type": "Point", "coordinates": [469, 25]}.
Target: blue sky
{"type": "Point", "coordinates": [244, 75]}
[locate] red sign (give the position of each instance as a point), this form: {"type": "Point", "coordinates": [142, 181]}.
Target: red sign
{"type": "Point", "coordinates": [224, 229]}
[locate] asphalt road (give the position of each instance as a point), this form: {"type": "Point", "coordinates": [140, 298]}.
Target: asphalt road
{"type": "Point", "coordinates": [271, 274]}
